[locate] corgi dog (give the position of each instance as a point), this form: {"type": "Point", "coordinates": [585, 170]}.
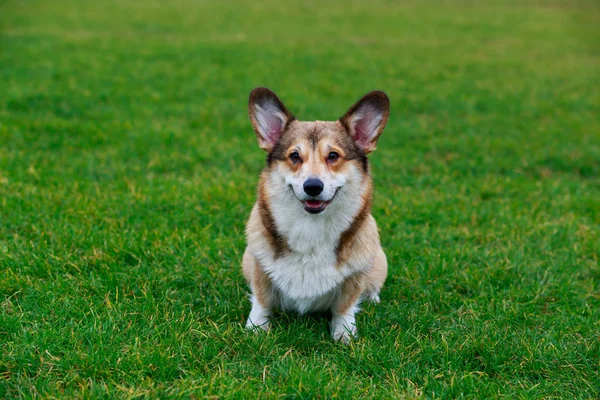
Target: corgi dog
{"type": "Point", "coordinates": [312, 244]}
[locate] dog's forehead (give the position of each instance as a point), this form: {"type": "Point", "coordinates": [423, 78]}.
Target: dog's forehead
{"type": "Point", "coordinates": [315, 131]}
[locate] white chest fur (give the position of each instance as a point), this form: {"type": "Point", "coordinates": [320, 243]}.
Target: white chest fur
{"type": "Point", "coordinates": [307, 276]}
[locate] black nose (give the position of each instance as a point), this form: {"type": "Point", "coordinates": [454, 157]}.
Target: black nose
{"type": "Point", "coordinates": [313, 187]}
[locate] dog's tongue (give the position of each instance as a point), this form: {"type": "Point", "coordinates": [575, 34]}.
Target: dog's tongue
{"type": "Point", "coordinates": [314, 203]}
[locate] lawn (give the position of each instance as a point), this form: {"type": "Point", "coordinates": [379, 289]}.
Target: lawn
{"type": "Point", "coordinates": [128, 168]}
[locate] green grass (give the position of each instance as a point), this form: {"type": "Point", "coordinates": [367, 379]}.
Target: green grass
{"type": "Point", "coordinates": [128, 169]}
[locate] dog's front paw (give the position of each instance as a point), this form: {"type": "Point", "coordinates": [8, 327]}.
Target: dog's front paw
{"type": "Point", "coordinates": [374, 298]}
{"type": "Point", "coordinates": [259, 317]}
{"type": "Point", "coordinates": [344, 337]}
{"type": "Point", "coordinates": [343, 330]}
{"type": "Point", "coordinates": [258, 325]}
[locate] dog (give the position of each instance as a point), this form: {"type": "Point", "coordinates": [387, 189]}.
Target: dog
{"type": "Point", "coordinates": [312, 244]}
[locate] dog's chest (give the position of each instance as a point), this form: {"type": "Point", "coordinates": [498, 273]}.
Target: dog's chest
{"type": "Point", "coordinates": [306, 275]}
{"type": "Point", "coordinates": [306, 280]}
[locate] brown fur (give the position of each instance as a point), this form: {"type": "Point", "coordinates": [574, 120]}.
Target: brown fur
{"type": "Point", "coordinates": [277, 241]}
{"type": "Point", "coordinates": [376, 276]}
{"type": "Point", "coordinates": [258, 279]}
{"type": "Point", "coordinates": [352, 288]}
{"type": "Point", "coordinates": [344, 247]}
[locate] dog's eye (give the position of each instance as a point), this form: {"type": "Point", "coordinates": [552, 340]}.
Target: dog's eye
{"type": "Point", "coordinates": [295, 157]}
{"type": "Point", "coordinates": [333, 156]}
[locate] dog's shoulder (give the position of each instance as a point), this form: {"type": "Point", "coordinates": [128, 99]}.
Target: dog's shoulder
{"type": "Point", "coordinates": [357, 248]}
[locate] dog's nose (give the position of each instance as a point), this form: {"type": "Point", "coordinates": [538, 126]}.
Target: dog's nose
{"type": "Point", "coordinates": [313, 187]}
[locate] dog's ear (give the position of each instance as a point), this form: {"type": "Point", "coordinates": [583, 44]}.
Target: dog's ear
{"type": "Point", "coordinates": [366, 119]}
{"type": "Point", "coordinates": [269, 117]}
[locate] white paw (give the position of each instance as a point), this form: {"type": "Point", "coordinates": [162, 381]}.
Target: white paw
{"type": "Point", "coordinates": [343, 329]}
{"type": "Point", "coordinates": [258, 325]}
{"type": "Point", "coordinates": [259, 317]}
{"type": "Point", "coordinates": [344, 337]}
{"type": "Point", "coordinates": [374, 298]}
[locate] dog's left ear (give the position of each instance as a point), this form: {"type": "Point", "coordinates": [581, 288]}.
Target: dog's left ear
{"type": "Point", "coordinates": [366, 119]}
{"type": "Point", "coordinates": [269, 117]}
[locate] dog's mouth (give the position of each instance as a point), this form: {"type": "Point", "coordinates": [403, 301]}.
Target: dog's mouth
{"type": "Point", "coordinates": [318, 206]}
{"type": "Point", "coordinates": [315, 206]}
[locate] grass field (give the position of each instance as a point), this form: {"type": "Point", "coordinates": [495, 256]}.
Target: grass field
{"type": "Point", "coordinates": [128, 168]}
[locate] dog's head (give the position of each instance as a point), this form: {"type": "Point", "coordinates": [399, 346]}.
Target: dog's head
{"type": "Point", "coordinates": [318, 159]}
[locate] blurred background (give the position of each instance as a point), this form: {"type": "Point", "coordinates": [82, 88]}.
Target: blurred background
{"type": "Point", "coordinates": [128, 168]}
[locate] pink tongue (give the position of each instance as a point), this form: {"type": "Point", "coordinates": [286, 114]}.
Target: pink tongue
{"type": "Point", "coordinates": [314, 203]}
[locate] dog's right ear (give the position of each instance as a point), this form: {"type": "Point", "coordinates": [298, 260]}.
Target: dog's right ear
{"type": "Point", "coordinates": [269, 117]}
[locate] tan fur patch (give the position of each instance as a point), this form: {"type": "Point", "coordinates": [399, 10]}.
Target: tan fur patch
{"type": "Point", "coordinates": [376, 277]}
{"type": "Point", "coordinates": [344, 247]}
{"type": "Point", "coordinates": [352, 288]}
{"type": "Point", "coordinates": [262, 287]}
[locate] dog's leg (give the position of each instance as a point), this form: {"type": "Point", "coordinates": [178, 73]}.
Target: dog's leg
{"type": "Point", "coordinates": [376, 277]}
{"type": "Point", "coordinates": [262, 293]}
{"type": "Point", "coordinates": [259, 316]}
{"type": "Point", "coordinates": [343, 323]}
